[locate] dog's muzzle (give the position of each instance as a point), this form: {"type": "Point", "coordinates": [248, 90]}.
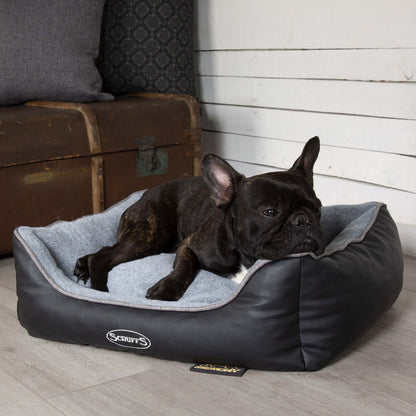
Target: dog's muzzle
{"type": "Point", "coordinates": [310, 244]}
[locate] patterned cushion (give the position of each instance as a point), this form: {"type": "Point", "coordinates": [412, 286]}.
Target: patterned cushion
{"type": "Point", "coordinates": [48, 50]}
{"type": "Point", "coordinates": [147, 46]}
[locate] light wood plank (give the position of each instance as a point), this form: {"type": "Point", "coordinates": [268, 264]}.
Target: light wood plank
{"type": "Point", "coordinates": [8, 298]}
{"type": "Point", "coordinates": [402, 316]}
{"type": "Point", "coordinates": [169, 389]}
{"type": "Point", "coordinates": [366, 133]}
{"type": "Point", "coordinates": [409, 282]}
{"type": "Point", "coordinates": [358, 98]}
{"type": "Point", "coordinates": [296, 24]}
{"type": "Point", "coordinates": [7, 269]}
{"type": "Point", "coordinates": [17, 400]}
{"type": "Point", "coordinates": [378, 168]}
{"type": "Point", "coordinates": [50, 368]}
{"type": "Point", "coordinates": [407, 232]}
{"type": "Point", "coordinates": [365, 65]}
{"type": "Point", "coordinates": [124, 397]}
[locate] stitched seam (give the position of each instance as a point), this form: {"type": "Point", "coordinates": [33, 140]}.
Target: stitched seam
{"type": "Point", "coordinates": [300, 315]}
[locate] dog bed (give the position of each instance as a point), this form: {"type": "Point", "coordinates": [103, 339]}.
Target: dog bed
{"type": "Point", "coordinates": [297, 313]}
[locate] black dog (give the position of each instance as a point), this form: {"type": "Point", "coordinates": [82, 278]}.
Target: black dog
{"type": "Point", "coordinates": [221, 222]}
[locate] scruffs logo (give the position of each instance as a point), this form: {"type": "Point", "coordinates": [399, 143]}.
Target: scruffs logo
{"type": "Point", "coordinates": [128, 339]}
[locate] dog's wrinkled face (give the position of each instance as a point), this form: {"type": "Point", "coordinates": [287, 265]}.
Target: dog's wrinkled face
{"type": "Point", "coordinates": [274, 214]}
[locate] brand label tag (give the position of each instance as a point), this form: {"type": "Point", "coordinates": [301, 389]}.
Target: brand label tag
{"type": "Point", "coordinates": [223, 370]}
{"type": "Point", "coordinates": [128, 339]}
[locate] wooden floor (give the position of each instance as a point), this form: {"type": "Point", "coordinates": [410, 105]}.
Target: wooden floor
{"type": "Point", "coordinates": [377, 375]}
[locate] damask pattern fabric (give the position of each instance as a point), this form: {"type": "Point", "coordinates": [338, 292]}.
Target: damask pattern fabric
{"type": "Point", "coordinates": [48, 50]}
{"type": "Point", "coordinates": [147, 46]}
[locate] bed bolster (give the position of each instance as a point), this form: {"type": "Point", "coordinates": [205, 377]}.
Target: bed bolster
{"type": "Point", "coordinates": [343, 295]}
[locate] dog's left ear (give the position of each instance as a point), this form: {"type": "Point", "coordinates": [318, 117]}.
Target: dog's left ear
{"type": "Point", "coordinates": [222, 179]}
{"type": "Point", "coordinates": [304, 163]}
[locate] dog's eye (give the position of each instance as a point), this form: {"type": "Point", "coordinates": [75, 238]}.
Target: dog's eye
{"type": "Point", "coordinates": [269, 212]}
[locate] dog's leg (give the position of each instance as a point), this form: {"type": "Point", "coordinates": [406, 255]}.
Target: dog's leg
{"type": "Point", "coordinates": [174, 285]}
{"type": "Point", "coordinates": [145, 239]}
{"type": "Point", "coordinates": [97, 265]}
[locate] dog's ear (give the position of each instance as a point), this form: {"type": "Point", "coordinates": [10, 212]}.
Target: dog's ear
{"type": "Point", "coordinates": [222, 179]}
{"type": "Point", "coordinates": [304, 163]}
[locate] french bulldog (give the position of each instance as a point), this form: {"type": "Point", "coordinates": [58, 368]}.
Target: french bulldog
{"type": "Point", "coordinates": [222, 222]}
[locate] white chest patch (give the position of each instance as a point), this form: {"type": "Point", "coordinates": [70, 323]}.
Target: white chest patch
{"type": "Point", "coordinates": [239, 276]}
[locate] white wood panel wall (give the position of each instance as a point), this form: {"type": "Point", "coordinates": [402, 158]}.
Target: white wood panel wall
{"type": "Point", "coordinates": [273, 73]}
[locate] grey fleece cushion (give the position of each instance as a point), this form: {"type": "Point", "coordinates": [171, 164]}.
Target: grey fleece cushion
{"type": "Point", "coordinates": [48, 50]}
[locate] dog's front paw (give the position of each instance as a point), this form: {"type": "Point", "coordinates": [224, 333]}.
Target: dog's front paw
{"type": "Point", "coordinates": [164, 289]}
{"type": "Point", "coordinates": [81, 269]}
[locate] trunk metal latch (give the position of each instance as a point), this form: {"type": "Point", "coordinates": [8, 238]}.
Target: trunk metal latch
{"type": "Point", "coordinates": [150, 160]}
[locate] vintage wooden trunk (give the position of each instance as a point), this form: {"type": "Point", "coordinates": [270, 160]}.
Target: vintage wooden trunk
{"type": "Point", "coordinates": [64, 160]}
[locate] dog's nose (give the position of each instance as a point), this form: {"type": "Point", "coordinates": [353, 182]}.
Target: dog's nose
{"type": "Point", "coordinates": [300, 220]}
